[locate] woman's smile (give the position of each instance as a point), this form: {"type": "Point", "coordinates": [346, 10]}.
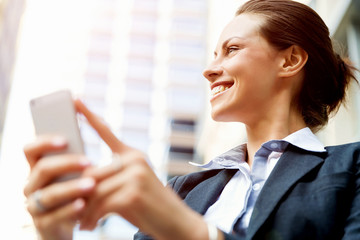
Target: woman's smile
{"type": "Point", "coordinates": [219, 88]}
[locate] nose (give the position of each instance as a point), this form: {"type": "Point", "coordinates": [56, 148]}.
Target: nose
{"type": "Point", "coordinates": [212, 72]}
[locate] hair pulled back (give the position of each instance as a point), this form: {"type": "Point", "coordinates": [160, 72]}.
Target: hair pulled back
{"type": "Point", "coordinates": [327, 75]}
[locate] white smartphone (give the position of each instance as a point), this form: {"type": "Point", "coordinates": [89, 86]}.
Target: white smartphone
{"type": "Point", "coordinates": [55, 113]}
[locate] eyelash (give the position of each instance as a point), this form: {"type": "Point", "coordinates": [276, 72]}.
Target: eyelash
{"type": "Point", "coordinates": [228, 50]}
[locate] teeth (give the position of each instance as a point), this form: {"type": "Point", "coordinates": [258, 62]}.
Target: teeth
{"type": "Point", "coordinates": [218, 89]}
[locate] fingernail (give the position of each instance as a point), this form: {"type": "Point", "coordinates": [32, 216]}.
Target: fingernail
{"type": "Point", "coordinates": [85, 162]}
{"type": "Point", "coordinates": [79, 204]}
{"type": "Point", "coordinates": [86, 183]}
{"type": "Point", "coordinates": [59, 141]}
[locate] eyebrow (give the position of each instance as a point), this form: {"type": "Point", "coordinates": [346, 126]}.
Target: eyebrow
{"type": "Point", "coordinates": [226, 42]}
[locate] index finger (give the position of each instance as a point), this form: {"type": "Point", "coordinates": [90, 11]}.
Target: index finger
{"type": "Point", "coordinates": [100, 127]}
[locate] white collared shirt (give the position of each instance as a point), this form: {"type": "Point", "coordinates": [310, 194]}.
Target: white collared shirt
{"type": "Point", "coordinates": [236, 202]}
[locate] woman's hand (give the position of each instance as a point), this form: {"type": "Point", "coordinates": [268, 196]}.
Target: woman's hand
{"type": "Point", "coordinates": [130, 188]}
{"type": "Point", "coordinates": [55, 206]}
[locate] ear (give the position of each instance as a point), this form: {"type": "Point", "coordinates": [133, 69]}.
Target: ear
{"type": "Point", "coordinates": [294, 59]}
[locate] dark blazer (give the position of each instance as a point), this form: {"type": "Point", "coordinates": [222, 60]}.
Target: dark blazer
{"type": "Point", "coordinates": [307, 196]}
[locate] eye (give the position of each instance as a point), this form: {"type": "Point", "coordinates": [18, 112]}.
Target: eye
{"type": "Point", "coordinates": [231, 49]}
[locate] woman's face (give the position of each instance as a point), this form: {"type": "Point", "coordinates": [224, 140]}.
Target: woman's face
{"type": "Point", "coordinates": [243, 73]}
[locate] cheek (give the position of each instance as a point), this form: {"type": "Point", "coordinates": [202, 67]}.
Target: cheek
{"type": "Point", "coordinates": [255, 83]}
{"type": "Point", "coordinates": [261, 70]}
{"type": "Point", "coordinates": [247, 63]}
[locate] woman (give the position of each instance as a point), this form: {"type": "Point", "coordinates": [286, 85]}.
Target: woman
{"type": "Point", "coordinates": [274, 70]}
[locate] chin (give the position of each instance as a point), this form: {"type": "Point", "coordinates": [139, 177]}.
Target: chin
{"type": "Point", "coordinates": [226, 115]}
{"type": "Point", "coordinates": [218, 117]}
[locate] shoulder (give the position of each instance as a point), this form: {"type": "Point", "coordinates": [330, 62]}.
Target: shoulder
{"type": "Point", "coordinates": [332, 151]}
{"type": "Point", "coordinates": [349, 151]}
{"type": "Point", "coordinates": [348, 147]}
{"type": "Point", "coordinates": [336, 158]}
{"type": "Point", "coordinates": [344, 156]}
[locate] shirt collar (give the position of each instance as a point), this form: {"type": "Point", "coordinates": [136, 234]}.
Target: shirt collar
{"type": "Point", "coordinates": [305, 139]}
{"type": "Point", "coordinates": [231, 159]}
{"type": "Point", "coordinates": [234, 158]}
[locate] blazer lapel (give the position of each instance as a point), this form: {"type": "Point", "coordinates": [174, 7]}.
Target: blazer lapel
{"type": "Point", "coordinates": [292, 165]}
{"type": "Point", "coordinates": [207, 192]}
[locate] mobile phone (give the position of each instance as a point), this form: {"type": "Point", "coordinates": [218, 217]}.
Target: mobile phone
{"type": "Point", "coordinates": [55, 113]}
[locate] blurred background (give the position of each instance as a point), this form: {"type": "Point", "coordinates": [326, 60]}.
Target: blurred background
{"type": "Point", "coordinates": [137, 63]}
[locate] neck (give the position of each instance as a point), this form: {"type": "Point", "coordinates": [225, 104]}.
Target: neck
{"type": "Point", "coordinates": [277, 126]}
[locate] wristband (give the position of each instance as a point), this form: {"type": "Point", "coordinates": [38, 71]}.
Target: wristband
{"type": "Point", "coordinates": [213, 232]}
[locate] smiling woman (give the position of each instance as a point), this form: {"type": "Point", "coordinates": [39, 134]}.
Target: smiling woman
{"type": "Point", "coordinates": [264, 70]}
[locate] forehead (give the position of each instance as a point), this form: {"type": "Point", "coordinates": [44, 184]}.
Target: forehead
{"type": "Point", "coordinates": [244, 26]}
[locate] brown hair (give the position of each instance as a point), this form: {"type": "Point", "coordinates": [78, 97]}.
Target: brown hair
{"type": "Point", "coordinates": [327, 75]}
